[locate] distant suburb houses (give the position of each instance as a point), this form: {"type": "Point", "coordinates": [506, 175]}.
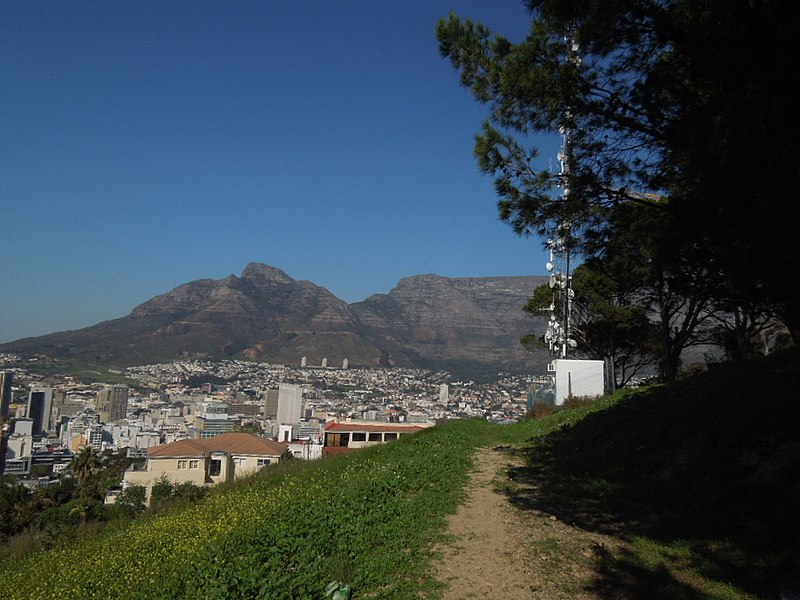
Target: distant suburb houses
{"type": "Point", "coordinates": [205, 462]}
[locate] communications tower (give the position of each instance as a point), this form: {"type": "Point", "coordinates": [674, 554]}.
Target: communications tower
{"type": "Point", "coordinates": [571, 377]}
{"type": "Point", "coordinates": [558, 336]}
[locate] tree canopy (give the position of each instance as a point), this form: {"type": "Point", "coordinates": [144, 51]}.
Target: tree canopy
{"type": "Point", "coordinates": [681, 107]}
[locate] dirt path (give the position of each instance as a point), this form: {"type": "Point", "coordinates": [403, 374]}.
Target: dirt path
{"type": "Point", "coordinates": [503, 552]}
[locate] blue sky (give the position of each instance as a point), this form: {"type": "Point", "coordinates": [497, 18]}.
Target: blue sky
{"type": "Point", "coordinates": [147, 144]}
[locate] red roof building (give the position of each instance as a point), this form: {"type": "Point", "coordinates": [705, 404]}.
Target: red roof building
{"type": "Point", "coordinates": [346, 436]}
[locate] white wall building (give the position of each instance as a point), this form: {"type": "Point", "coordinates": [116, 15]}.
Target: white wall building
{"type": "Point", "coordinates": [444, 393]}
{"type": "Point", "coordinates": [290, 403]}
{"type": "Point", "coordinates": [575, 378]}
{"type": "Point", "coordinates": [19, 446]}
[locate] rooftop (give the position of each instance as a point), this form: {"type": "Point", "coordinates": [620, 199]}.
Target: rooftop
{"type": "Point", "coordinates": [232, 443]}
{"type": "Point", "coordinates": [386, 427]}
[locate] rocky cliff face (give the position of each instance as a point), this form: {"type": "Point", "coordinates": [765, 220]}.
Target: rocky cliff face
{"type": "Point", "coordinates": [456, 319]}
{"type": "Point", "coordinates": [262, 296]}
{"type": "Point", "coordinates": [264, 314]}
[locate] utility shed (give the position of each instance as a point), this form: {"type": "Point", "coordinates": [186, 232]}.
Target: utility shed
{"type": "Point", "coordinates": [578, 378]}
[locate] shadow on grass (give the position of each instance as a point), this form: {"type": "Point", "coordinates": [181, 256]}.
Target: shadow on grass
{"type": "Point", "coordinates": [621, 575]}
{"type": "Point", "coordinates": [700, 479]}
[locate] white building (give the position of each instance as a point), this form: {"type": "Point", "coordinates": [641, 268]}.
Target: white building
{"type": "Point", "coordinates": [290, 403]}
{"type": "Point", "coordinates": [307, 449]}
{"type": "Point", "coordinates": [19, 446]}
{"type": "Point", "coordinates": [444, 393]}
{"type": "Point", "coordinates": [576, 378]}
{"type": "Point", "coordinates": [133, 435]}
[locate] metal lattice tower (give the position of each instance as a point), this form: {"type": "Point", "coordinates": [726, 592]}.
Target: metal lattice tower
{"type": "Point", "coordinates": [558, 335]}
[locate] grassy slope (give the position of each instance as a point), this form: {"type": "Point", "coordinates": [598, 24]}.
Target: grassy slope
{"type": "Point", "coordinates": [367, 519]}
{"type": "Point", "coordinates": [700, 477]}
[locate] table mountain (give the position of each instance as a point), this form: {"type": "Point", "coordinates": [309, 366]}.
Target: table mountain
{"type": "Point", "coordinates": [426, 321]}
{"type": "Point", "coordinates": [448, 322]}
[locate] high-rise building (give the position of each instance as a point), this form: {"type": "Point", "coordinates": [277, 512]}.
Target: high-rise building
{"type": "Point", "coordinates": [112, 403]}
{"type": "Point", "coordinates": [94, 436]}
{"type": "Point", "coordinates": [6, 379]}
{"type": "Point", "coordinates": [119, 402]}
{"type": "Point", "coordinates": [101, 403]}
{"type": "Point", "coordinates": [40, 408]}
{"type": "Point", "coordinates": [271, 404]}
{"type": "Point", "coordinates": [78, 431]}
{"type": "Point", "coordinates": [444, 393]}
{"type": "Point", "coordinates": [213, 420]}
{"type": "Point", "coordinates": [290, 403]}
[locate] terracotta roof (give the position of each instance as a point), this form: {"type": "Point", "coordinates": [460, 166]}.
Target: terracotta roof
{"type": "Point", "coordinates": [387, 427]}
{"type": "Point", "coordinates": [232, 443]}
{"type": "Point", "coordinates": [179, 448]}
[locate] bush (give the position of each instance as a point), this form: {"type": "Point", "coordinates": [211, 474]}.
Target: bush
{"type": "Point", "coordinates": [131, 501]}
{"type": "Point", "coordinates": [579, 401]}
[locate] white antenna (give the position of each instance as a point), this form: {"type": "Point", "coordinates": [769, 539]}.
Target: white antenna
{"type": "Point", "coordinates": [558, 335]}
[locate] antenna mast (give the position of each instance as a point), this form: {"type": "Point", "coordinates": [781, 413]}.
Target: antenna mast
{"type": "Point", "coordinates": [558, 334]}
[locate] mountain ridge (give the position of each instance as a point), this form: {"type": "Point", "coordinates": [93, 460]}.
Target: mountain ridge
{"type": "Point", "coordinates": [426, 321]}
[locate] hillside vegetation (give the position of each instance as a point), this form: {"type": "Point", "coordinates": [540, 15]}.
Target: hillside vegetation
{"type": "Point", "coordinates": [701, 478]}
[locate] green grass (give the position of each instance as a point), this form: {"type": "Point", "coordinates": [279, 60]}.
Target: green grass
{"type": "Point", "coordinates": [702, 477]}
{"type": "Point", "coordinates": [370, 518]}
{"type": "Point", "coordinates": [699, 479]}
{"type": "Point", "coordinates": [82, 371]}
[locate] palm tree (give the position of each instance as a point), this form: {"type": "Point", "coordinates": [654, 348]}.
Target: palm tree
{"type": "Point", "coordinates": [85, 464]}
{"type": "Point", "coordinates": [81, 510]}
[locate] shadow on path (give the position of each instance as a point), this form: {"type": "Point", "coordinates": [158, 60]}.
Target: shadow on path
{"type": "Point", "coordinates": [704, 491]}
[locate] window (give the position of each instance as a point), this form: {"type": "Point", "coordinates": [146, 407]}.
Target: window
{"type": "Point", "coordinates": [337, 439]}
{"type": "Point", "coordinates": [375, 437]}
{"type": "Point", "coordinates": [182, 464]}
{"type": "Point", "coordinates": [216, 467]}
{"type": "Point", "coordinates": [263, 462]}
{"type": "Point", "coordinates": [359, 436]}
{"type": "Point", "coordinates": [194, 464]}
{"type": "Point", "coordinates": [388, 437]}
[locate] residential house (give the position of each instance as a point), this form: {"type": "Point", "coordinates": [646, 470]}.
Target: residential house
{"type": "Point", "coordinates": [205, 462]}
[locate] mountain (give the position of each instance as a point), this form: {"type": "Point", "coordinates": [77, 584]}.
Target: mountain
{"type": "Point", "coordinates": [453, 322]}
{"type": "Point", "coordinates": [459, 324]}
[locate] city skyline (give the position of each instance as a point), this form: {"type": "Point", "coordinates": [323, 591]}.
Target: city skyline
{"type": "Point", "coordinates": [152, 145]}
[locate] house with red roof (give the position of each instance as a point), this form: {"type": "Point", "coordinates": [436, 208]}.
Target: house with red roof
{"type": "Point", "coordinates": [205, 462]}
